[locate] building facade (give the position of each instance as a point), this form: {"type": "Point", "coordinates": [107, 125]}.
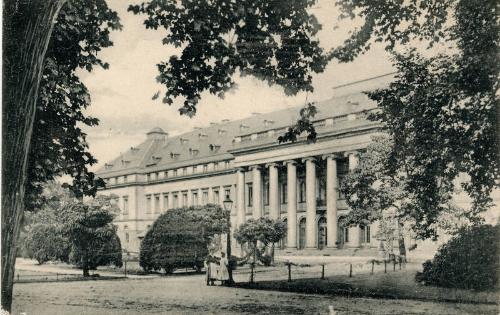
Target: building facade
{"type": "Point", "coordinates": [242, 159]}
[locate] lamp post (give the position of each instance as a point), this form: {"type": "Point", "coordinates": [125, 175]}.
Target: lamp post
{"type": "Point", "coordinates": [228, 204]}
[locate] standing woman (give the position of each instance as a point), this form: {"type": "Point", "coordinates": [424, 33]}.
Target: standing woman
{"type": "Point", "coordinates": [211, 268]}
{"type": "Point", "coordinates": [223, 269]}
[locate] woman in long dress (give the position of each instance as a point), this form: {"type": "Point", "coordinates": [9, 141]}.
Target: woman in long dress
{"type": "Point", "coordinates": [223, 269]}
{"type": "Point", "coordinates": [211, 268]}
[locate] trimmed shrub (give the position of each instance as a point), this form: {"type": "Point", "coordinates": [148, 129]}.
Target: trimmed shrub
{"type": "Point", "coordinates": [104, 253]}
{"type": "Point", "coordinates": [179, 238]}
{"type": "Point", "coordinates": [470, 260]}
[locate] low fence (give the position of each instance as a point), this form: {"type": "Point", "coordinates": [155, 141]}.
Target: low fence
{"type": "Point", "coordinates": [291, 271]}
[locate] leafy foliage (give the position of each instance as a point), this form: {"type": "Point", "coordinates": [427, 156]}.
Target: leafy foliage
{"type": "Point", "coordinates": [271, 40]}
{"type": "Point", "coordinates": [180, 237]}
{"type": "Point", "coordinates": [45, 242]}
{"type": "Point", "coordinates": [470, 260]}
{"type": "Point", "coordinates": [89, 228]}
{"type": "Point", "coordinates": [58, 145]}
{"type": "Point", "coordinates": [264, 230]}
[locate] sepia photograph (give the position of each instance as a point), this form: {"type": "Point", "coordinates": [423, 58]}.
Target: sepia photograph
{"type": "Point", "coordinates": [250, 157]}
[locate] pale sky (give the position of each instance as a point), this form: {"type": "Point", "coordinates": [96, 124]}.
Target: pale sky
{"type": "Point", "coordinates": [122, 95]}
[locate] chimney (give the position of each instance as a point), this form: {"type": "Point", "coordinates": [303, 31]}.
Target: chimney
{"type": "Point", "coordinates": [157, 134]}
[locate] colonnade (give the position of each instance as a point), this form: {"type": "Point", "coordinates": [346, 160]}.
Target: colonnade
{"type": "Point", "coordinates": [311, 205]}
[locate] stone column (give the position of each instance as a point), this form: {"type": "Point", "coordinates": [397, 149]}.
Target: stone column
{"type": "Point", "coordinates": [291, 168]}
{"type": "Point", "coordinates": [331, 200]}
{"type": "Point", "coordinates": [240, 196]}
{"type": "Point", "coordinates": [257, 192]}
{"type": "Point", "coordinates": [310, 202]}
{"type": "Point", "coordinates": [354, 231]}
{"type": "Point", "coordinates": [274, 197]}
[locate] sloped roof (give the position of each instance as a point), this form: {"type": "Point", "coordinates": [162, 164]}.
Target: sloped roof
{"type": "Point", "coordinates": [212, 143]}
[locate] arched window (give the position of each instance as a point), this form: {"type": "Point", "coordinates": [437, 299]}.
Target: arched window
{"type": "Point", "coordinates": [302, 233]}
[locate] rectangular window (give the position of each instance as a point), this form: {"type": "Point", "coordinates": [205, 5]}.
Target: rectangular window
{"type": "Point", "coordinates": [284, 193]}
{"type": "Point", "coordinates": [116, 180]}
{"type": "Point", "coordinates": [216, 196]}
{"type": "Point", "coordinates": [157, 203]}
{"type": "Point", "coordinates": [165, 202]}
{"type": "Point", "coordinates": [226, 164]}
{"type": "Point", "coordinates": [216, 166]}
{"type": "Point", "coordinates": [302, 191]}
{"type": "Point", "coordinates": [148, 203]}
{"type": "Point", "coordinates": [205, 197]}
{"type": "Point", "coordinates": [195, 199]}
{"type": "Point", "coordinates": [205, 168]}
{"type": "Point", "coordinates": [125, 178]}
{"type": "Point", "coordinates": [125, 205]}
{"type": "Point", "coordinates": [184, 171]}
{"type": "Point", "coordinates": [185, 199]}
{"type": "Point", "coordinates": [176, 201]}
{"type": "Point", "coordinates": [250, 195]}
{"type": "Point", "coordinates": [148, 177]}
{"type": "Point", "coordinates": [195, 169]}
{"type": "Point", "coordinates": [266, 193]}
{"type": "Point", "coordinates": [227, 192]}
{"type": "Point", "coordinates": [157, 176]}
{"type": "Point", "coordinates": [175, 172]}
{"type": "Point", "coordinates": [165, 174]}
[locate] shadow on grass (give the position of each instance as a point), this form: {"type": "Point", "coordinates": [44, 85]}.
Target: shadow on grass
{"type": "Point", "coordinates": [330, 287]}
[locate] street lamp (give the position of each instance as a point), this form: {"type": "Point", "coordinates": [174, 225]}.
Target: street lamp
{"type": "Point", "coordinates": [228, 204]}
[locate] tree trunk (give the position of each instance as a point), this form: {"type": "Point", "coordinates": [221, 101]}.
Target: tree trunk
{"type": "Point", "coordinates": [401, 242]}
{"type": "Point", "coordinates": [272, 254]}
{"type": "Point", "coordinates": [28, 25]}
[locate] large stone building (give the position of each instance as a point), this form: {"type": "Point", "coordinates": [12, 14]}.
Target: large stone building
{"type": "Point", "coordinates": [243, 160]}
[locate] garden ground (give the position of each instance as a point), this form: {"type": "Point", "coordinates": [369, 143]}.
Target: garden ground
{"type": "Point", "coordinates": [188, 294]}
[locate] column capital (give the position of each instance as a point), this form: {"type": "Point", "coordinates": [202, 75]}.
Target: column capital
{"type": "Point", "coordinates": [292, 162]}
{"type": "Point", "coordinates": [351, 152]}
{"type": "Point", "coordinates": [240, 169]}
{"type": "Point", "coordinates": [310, 158]}
{"type": "Point", "coordinates": [271, 164]}
{"type": "Point", "coordinates": [255, 167]}
{"type": "Point", "coordinates": [332, 156]}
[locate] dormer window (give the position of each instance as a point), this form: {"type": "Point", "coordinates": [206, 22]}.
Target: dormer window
{"type": "Point", "coordinates": [268, 122]}
{"type": "Point", "coordinates": [222, 132]}
{"type": "Point", "coordinates": [156, 158]}
{"type": "Point", "coordinates": [184, 140]}
{"type": "Point", "coordinates": [125, 162]}
{"type": "Point", "coordinates": [174, 156]}
{"type": "Point", "coordinates": [244, 127]}
{"type": "Point", "coordinates": [214, 147]}
{"type": "Point", "coordinates": [193, 152]}
{"type": "Point", "coordinates": [134, 149]}
{"type": "Point", "coordinates": [108, 166]}
{"type": "Point", "coordinates": [202, 136]}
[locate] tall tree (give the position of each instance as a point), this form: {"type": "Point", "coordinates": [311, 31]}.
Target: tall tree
{"type": "Point", "coordinates": [37, 150]}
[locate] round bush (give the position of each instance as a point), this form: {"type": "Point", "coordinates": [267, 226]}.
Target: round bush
{"type": "Point", "coordinates": [176, 240]}
{"type": "Point", "coordinates": [470, 260]}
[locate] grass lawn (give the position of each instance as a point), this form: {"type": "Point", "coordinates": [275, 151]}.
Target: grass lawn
{"type": "Point", "coordinates": [190, 295]}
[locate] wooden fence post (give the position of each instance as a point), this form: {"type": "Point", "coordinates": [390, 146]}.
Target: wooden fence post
{"type": "Point", "coordinates": [323, 272]}
{"type": "Point", "coordinates": [385, 266]}
{"type": "Point", "coordinates": [394, 265]}
{"type": "Point", "coordinates": [289, 272]}
{"type": "Point", "coordinates": [251, 272]}
{"type": "Point", "coordinates": [350, 270]}
{"type": "Point", "coordinates": [373, 265]}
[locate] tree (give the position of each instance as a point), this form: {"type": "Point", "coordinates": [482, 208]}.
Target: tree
{"type": "Point", "coordinates": [90, 230]}
{"type": "Point", "coordinates": [377, 191]}
{"type": "Point", "coordinates": [29, 161]}
{"type": "Point", "coordinates": [264, 230]}
{"type": "Point", "coordinates": [45, 242]}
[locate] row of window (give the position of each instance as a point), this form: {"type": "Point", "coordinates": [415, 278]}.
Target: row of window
{"type": "Point", "coordinates": [197, 169]}
{"type": "Point", "coordinates": [182, 199]}
{"type": "Point", "coordinates": [301, 193]}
